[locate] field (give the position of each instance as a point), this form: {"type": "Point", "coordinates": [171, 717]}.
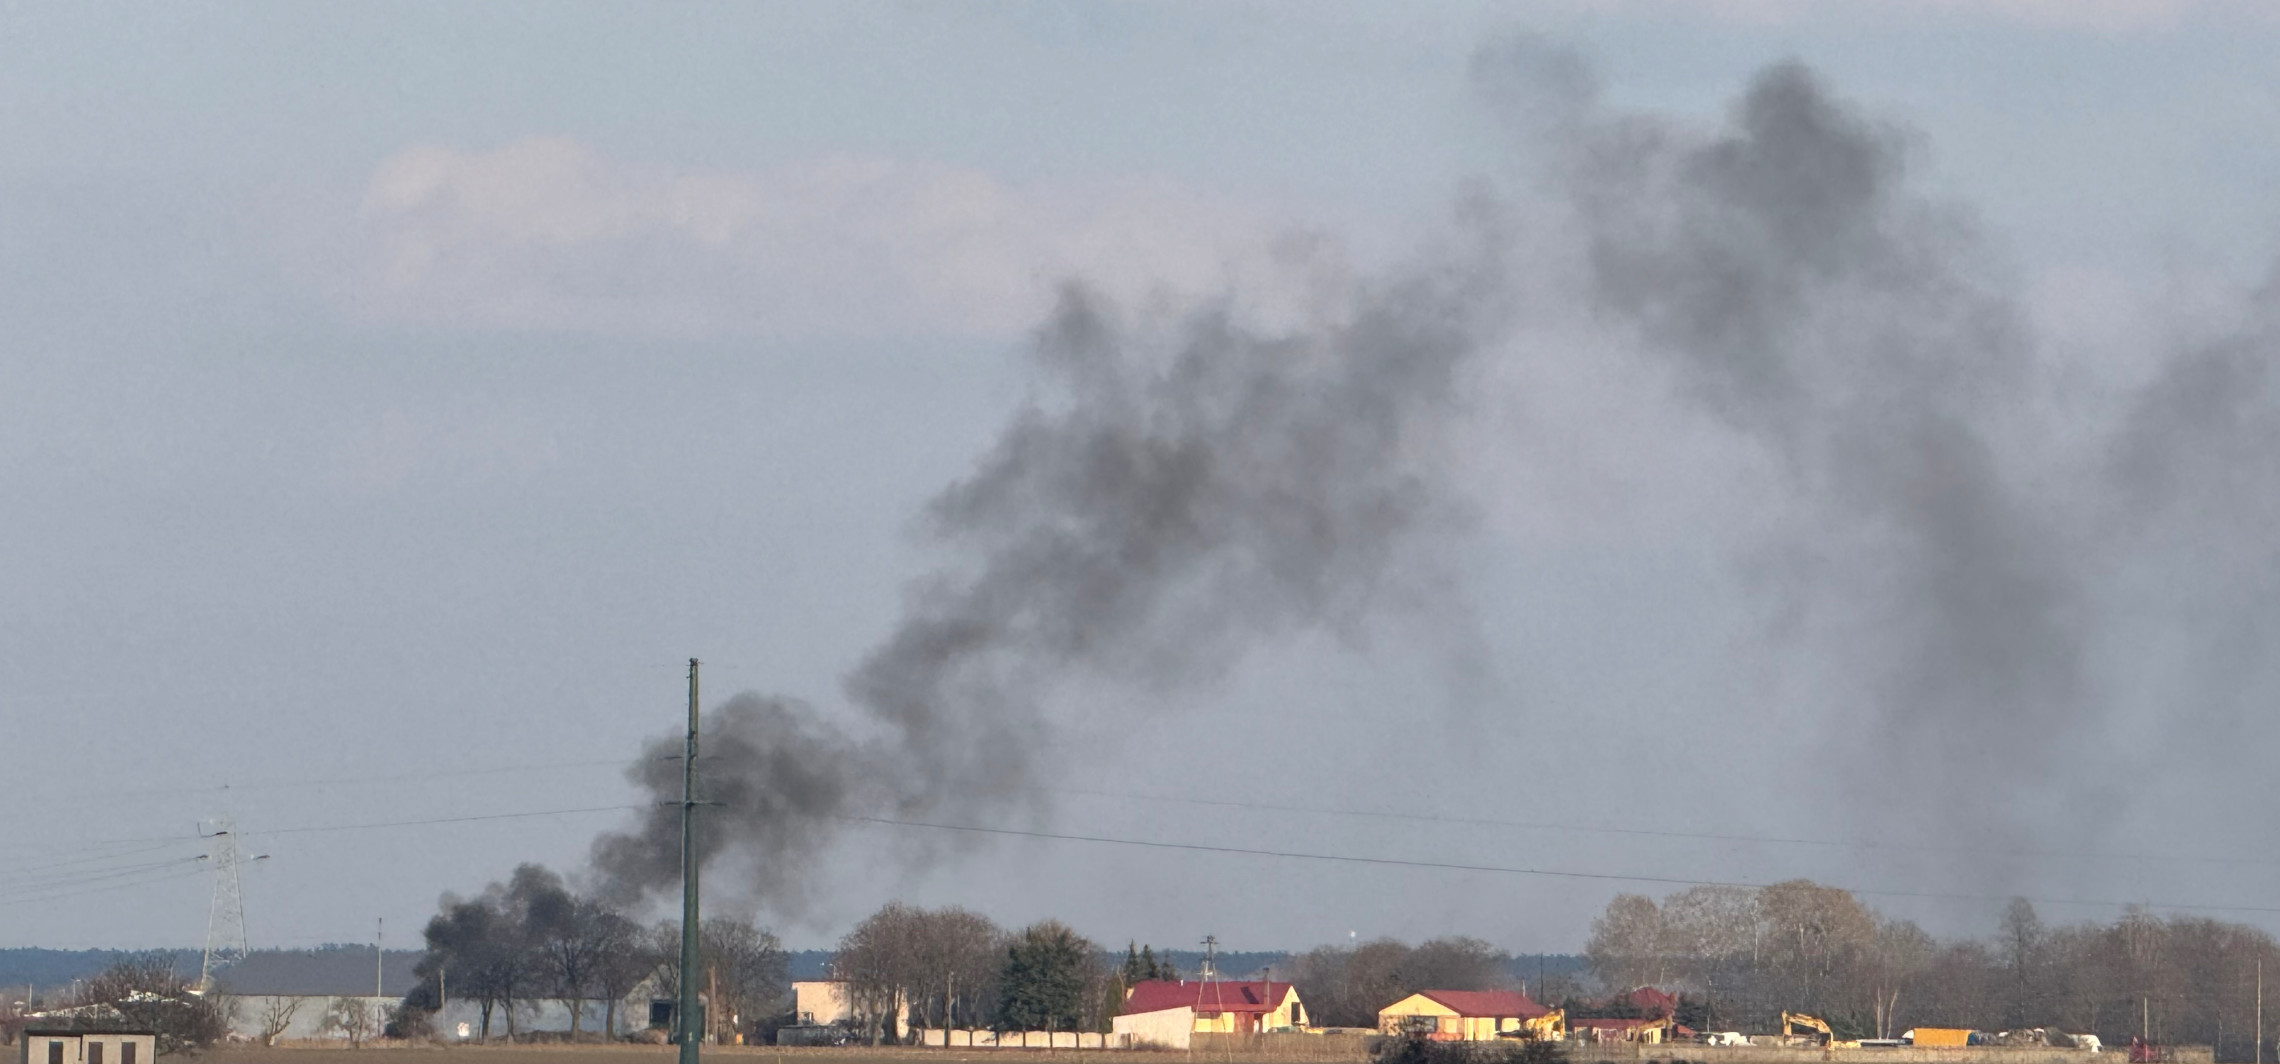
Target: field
{"type": "Point", "coordinates": [632, 1054]}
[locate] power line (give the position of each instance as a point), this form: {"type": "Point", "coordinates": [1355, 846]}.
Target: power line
{"type": "Point", "coordinates": [1662, 833]}
{"type": "Point", "coordinates": [308, 828]}
{"type": "Point", "coordinates": [31, 871]}
{"type": "Point", "coordinates": [1323, 810]}
{"type": "Point", "coordinates": [141, 877]}
{"type": "Point", "coordinates": [1512, 869]}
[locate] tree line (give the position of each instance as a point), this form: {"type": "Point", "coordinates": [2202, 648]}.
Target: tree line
{"type": "Point", "coordinates": [952, 968]}
{"type": "Point", "coordinates": [1804, 947]}
{"type": "Point", "coordinates": [531, 940]}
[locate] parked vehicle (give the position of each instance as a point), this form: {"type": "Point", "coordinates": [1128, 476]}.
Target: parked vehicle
{"type": "Point", "coordinates": [1726, 1038]}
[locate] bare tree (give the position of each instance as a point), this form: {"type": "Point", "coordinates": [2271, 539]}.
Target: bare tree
{"type": "Point", "coordinates": [623, 962]}
{"type": "Point", "coordinates": [1899, 955]}
{"type": "Point", "coordinates": [350, 1018]}
{"type": "Point", "coordinates": [1627, 943]}
{"type": "Point", "coordinates": [1816, 938]}
{"type": "Point", "coordinates": [276, 1015]}
{"type": "Point", "coordinates": [746, 969]}
{"type": "Point", "coordinates": [146, 991]}
{"type": "Point", "coordinates": [2021, 938]}
{"type": "Point", "coordinates": [1711, 939]}
{"type": "Point", "coordinates": [945, 964]}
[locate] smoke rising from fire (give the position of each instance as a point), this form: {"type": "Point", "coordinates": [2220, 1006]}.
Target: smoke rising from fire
{"type": "Point", "coordinates": [1187, 487]}
{"type": "Point", "coordinates": [1175, 493]}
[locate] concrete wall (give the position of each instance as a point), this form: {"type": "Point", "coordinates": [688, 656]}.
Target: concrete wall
{"type": "Point", "coordinates": [308, 1020]}
{"type": "Point", "coordinates": [1171, 1028]}
{"type": "Point", "coordinates": [827, 1001]}
{"type": "Point", "coordinates": [963, 1038]}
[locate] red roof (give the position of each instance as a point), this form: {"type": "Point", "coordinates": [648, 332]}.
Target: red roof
{"type": "Point", "coordinates": [1651, 1001]}
{"type": "Point", "coordinates": [1487, 1003]}
{"type": "Point", "coordinates": [1156, 995]}
{"type": "Point", "coordinates": [1613, 1023]}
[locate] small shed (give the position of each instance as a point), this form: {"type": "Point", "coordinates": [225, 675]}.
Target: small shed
{"type": "Point", "coordinates": [60, 1045]}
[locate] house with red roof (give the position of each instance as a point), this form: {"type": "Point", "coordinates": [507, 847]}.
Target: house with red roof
{"type": "Point", "coordinates": [1460, 1015]}
{"type": "Point", "coordinates": [1651, 1002]}
{"type": "Point", "coordinates": [1170, 1013]}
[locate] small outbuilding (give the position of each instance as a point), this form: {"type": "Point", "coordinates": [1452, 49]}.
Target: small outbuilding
{"type": "Point", "coordinates": [56, 1045]}
{"type": "Point", "coordinates": [1460, 1015]}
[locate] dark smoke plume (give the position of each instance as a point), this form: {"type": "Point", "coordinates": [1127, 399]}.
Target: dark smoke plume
{"type": "Point", "coordinates": [1806, 298]}
{"type": "Point", "coordinates": [1174, 495]}
{"type": "Point", "coordinates": [1180, 492]}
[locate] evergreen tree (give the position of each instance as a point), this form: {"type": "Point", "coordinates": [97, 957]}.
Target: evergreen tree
{"type": "Point", "coordinates": [1046, 979]}
{"type": "Point", "coordinates": [1134, 970]}
{"type": "Point", "coordinates": [1148, 962]}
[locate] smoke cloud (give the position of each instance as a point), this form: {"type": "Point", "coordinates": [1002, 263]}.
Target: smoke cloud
{"type": "Point", "coordinates": [1807, 299]}
{"type": "Point", "coordinates": [1185, 488]}
{"type": "Point", "coordinates": [1176, 492]}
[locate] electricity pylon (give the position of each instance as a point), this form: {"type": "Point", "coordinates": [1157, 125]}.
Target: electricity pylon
{"type": "Point", "coordinates": [225, 918]}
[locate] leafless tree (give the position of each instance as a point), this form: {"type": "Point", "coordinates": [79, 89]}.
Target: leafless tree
{"type": "Point", "coordinates": [146, 991]}
{"type": "Point", "coordinates": [276, 1015]}
{"type": "Point", "coordinates": [1345, 987]}
{"type": "Point", "coordinates": [1897, 958]}
{"type": "Point", "coordinates": [349, 1017]}
{"type": "Point", "coordinates": [943, 963]}
{"type": "Point", "coordinates": [745, 967]}
{"type": "Point", "coordinates": [623, 962]}
{"type": "Point", "coordinates": [1627, 943]}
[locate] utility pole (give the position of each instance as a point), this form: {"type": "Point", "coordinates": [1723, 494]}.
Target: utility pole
{"type": "Point", "coordinates": [685, 1015]}
{"type": "Point", "coordinates": [379, 955]}
{"type": "Point", "coordinates": [2259, 1010]}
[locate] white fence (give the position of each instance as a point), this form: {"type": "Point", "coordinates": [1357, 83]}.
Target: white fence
{"type": "Point", "coordinates": [966, 1038]}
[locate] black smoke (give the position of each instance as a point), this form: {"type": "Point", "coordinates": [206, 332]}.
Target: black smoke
{"type": "Point", "coordinates": [1183, 489]}
{"type": "Point", "coordinates": [1177, 492]}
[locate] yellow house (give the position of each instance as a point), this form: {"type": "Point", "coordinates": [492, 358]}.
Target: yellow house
{"type": "Point", "coordinates": [1460, 1015]}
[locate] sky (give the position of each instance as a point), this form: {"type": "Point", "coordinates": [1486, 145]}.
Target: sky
{"type": "Point", "coordinates": [393, 398]}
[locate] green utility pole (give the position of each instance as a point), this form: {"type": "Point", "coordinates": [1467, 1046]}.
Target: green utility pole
{"type": "Point", "coordinates": [686, 1018]}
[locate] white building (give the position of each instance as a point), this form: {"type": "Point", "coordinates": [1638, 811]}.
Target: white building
{"type": "Point", "coordinates": [822, 1002]}
{"type": "Point", "coordinates": [49, 1045]}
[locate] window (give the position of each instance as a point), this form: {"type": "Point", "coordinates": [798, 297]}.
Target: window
{"type": "Point", "coordinates": [126, 1053]}
{"type": "Point", "coordinates": [94, 1053]}
{"type": "Point", "coordinates": [55, 1052]}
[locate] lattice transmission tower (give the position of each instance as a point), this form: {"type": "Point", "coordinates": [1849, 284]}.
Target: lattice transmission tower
{"type": "Point", "coordinates": [225, 919]}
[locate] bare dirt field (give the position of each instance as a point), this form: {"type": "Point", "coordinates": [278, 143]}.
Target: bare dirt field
{"type": "Point", "coordinates": [635, 1054]}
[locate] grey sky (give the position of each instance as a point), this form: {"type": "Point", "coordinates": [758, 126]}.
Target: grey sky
{"type": "Point", "coordinates": [391, 394]}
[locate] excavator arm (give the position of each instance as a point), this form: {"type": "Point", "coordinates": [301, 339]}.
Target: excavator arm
{"type": "Point", "coordinates": [1790, 1021]}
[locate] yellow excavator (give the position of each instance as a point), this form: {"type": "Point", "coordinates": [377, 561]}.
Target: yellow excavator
{"type": "Point", "coordinates": [1549, 1027]}
{"type": "Point", "coordinates": [1790, 1021]}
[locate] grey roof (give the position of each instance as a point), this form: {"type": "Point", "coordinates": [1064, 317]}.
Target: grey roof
{"type": "Point", "coordinates": [321, 972]}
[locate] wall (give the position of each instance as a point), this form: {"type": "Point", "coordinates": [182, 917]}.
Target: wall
{"type": "Point", "coordinates": [307, 1023]}
{"type": "Point", "coordinates": [963, 1038]}
{"type": "Point", "coordinates": [1171, 1028]}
